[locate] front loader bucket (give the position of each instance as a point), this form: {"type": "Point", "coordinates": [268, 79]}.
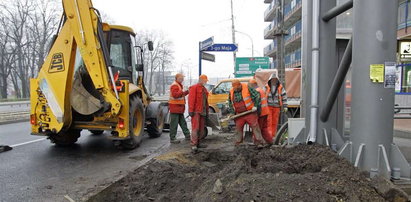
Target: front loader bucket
{"type": "Point", "coordinates": [81, 100]}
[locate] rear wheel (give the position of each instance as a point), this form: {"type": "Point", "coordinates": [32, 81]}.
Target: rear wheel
{"type": "Point", "coordinates": [136, 124]}
{"type": "Point", "coordinates": [156, 126]}
{"type": "Point", "coordinates": [65, 138]}
{"type": "Point", "coordinates": [96, 132]}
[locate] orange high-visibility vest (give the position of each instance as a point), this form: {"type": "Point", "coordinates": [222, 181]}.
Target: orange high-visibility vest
{"type": "Point", "coordinates": [249, 104]}
{"type": "Point", "coordinates": [264, 100]}
{"type": "Point", "coordinates": [173, 100]}
{"type": "Point", "coordinates": [279, 94]}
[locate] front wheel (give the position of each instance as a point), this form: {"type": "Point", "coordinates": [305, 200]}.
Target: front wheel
{"type": "Point", "coordinates": [136, 124]}
{"type": "Point", "coordinates": [156, 126]}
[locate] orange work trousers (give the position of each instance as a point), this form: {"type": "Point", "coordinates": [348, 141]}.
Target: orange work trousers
{"type": "Point", "coordinates": [273, 118]}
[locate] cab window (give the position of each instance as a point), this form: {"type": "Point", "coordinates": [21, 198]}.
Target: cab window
{"type": "Point", "coordinates": [120, 50]}
{"type": "Point", "coordinates": [223, 88]}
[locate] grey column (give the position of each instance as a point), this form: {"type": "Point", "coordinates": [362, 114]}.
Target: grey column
{"type": "Point", "coordinates": [374, 42]}
{"type": "Point", "coordinates": [306, 61]}
{"type": "Point", "coordinates": [328, 68]}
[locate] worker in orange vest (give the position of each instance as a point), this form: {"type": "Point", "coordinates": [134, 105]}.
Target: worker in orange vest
{"type": "Point", "coordinates": [198, 111]}
{"type": "Point", "coordinates": [241, 99]}
{"type": "Point", "coordinates": [176, 104]}
{"type": "Point", "coordinates": [263, 117]}
{"type": "Point", "coordinates": [277, 102]}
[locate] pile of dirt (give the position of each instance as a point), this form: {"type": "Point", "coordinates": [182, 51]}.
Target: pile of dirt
{"type": "Point", "coordinates": [300, 173]}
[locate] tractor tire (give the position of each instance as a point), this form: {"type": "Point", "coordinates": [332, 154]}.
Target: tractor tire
{"type": "Point", "coordinates": [137, 118]}
{"type": "Point", "coordinates": [96, 132]}
{"type": "Point", "coordinates": [156, 126]}
{"type": "Point", "coordinates": [65, 138]}
{"type": "Point", "coordinates": [166, 116]}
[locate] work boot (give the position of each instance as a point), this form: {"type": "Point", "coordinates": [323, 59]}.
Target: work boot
{"type": "Point", "coordinates": [174, 141]}
{"type": "Point", "coordinates": [194, 149]}
{"type": "Point", "coordinates": [188, 138]}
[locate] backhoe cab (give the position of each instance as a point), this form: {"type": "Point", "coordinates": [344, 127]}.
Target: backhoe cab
{"type": "Point", "coordinates": [92, 79]}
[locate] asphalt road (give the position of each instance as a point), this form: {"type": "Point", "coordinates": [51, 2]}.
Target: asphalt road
{"type": "Point", "coordinates": [36, 170]}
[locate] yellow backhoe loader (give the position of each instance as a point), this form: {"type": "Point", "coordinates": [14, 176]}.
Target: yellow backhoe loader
{"type": "Point", "coordinates": [92, 79]}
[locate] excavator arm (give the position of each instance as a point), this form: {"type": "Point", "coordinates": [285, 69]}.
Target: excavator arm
{"type": "Point", "coordinates": [79, 39]}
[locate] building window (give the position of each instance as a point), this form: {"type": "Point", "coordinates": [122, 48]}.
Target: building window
{"type": "Point", "coordinates": [403, 84]}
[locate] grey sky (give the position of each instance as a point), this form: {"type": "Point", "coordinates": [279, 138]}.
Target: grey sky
{"type": "Point", "coordinates": [186, 22]}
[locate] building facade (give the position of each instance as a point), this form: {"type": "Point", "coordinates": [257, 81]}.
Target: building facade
{"type": "Point", "coordinates": [403, 87]}
{"type": "Point", "coordinates": [291, 24]}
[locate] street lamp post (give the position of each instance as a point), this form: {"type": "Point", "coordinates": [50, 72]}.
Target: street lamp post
{"type": "Point", "coordinates": [251, 39]}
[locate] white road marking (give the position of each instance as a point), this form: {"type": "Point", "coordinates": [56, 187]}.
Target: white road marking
{"type": "Point", "coordinates": [29, 142]}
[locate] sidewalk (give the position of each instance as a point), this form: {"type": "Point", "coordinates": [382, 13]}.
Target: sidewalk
{"type": "Point", "coordinates": [402, 128]}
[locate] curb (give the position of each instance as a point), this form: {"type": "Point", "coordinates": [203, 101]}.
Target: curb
{"type": "Point", "coordinates": [402, 134]}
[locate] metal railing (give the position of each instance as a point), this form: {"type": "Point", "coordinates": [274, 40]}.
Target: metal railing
{"type": "Point", "coordinates": [14, 116]}
{"type": "Point", "coordinates": [12, 104]}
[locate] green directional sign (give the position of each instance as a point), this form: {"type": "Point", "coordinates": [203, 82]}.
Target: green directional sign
{"type": "Point", "coordinates": [246, 66]}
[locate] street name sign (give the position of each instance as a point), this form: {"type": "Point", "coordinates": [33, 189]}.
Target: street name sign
{"type": "Point", "coordinates": [222, 47]}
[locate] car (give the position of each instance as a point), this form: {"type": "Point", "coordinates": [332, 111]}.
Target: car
{"type": "Point", "coordinates": [219, 94]}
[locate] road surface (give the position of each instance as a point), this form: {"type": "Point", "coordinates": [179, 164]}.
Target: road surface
{"type": "Point", "coordinates": [36, 170]}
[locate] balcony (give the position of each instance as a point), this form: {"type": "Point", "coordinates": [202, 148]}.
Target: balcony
{"type": "Point", "coordinates": [293, 59]}
{"type": "Point", "coordinates": [269, 13]}
{"type": "Point", "coordinates": [270, 30]}
{"type": "Point", "coordinates": [268, 1]}
{"type": "Point", "coordinates": [293, 13]}
{"type": "Point", "coordinates": [293, 64]}
{"type": "Point", "coordinates": [293, 42]}
{"type": "Point", "coordinates": [271, 49]}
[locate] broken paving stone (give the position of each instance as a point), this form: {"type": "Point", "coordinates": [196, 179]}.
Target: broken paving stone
{"type": "Point", "coordinates": [218, 187]}
{"type": "Point", "coordinates": [208, 164]}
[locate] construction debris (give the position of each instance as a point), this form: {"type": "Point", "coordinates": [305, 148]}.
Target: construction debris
{"type": "Point", "coordinates": [226, 173]}
{"type": "Point", "coordinates": [4, 148]}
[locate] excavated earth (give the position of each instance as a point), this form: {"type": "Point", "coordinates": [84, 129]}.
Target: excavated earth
{"type": "Point", "coordinates": [223, 172]}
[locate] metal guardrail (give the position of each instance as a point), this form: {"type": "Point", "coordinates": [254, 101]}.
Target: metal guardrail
{"type": "Point", "coordinates": [14, 116]}
{"type": "Point", "coordinates": [11, 104]}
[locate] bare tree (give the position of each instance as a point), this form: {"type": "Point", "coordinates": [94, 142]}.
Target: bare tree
{"type": "Point", "coordinates": [44, 22]}
{"type": "Point", "coordinates": [26, 29]}
{"type": "Point", "coordinates": [18, 13]}
{"type": "Point", "coordinates": [6, 56]}
{"type": "Point", "coordinates": [166, 62]}
{"type": "Point", "coordinates": [154, 59]}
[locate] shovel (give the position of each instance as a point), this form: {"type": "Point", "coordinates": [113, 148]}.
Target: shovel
{"type": "Point", "coordinates": [238, 115]}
